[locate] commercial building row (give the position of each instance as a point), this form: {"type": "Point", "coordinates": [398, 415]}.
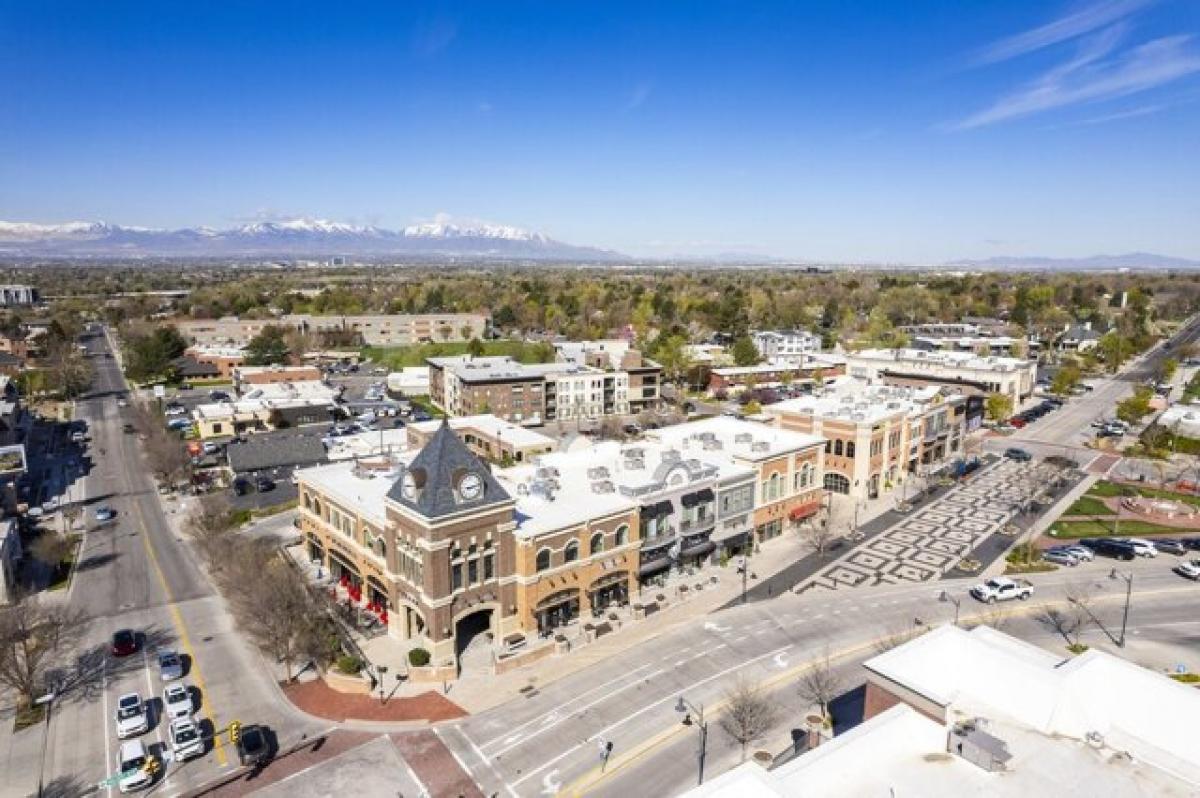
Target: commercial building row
{"type": "Point", "coordinates": [966, 372]}
{"type": "Point", "coordinates": [451, 547]}
{"type": "Point", "coordinates": [369, 330]}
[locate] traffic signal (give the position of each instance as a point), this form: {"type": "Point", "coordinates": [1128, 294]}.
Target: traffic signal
{"type": "Point", "coordinates": [152, 766]}
{"type": "Point", "coordinates": [235, 731]}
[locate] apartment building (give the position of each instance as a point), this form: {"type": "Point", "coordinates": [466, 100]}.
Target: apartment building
{"type": "Point", "coordinates": [537, 393]}
{"type": "Point", "coordinates": [875, 435]}
{"type": "Point", "coordinates": [786, 345]}
{"type": "Point", "coordinates": [642, 375]}
{"type": "Point", "coordinates": [15, 296]}
{"type": "Point", "coordinates": [449, 552]}
{"type": "Point", "coordinates": [803, 370]}
{"type": "Point", "coordinates": [964, 372]}
{"type": "Point", "coordinates": [381, 330]}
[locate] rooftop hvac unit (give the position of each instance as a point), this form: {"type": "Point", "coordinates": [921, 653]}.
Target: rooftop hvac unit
{"type": "Point", "coordinates": [634, 463]}
{"type": "Point", "coordinates": [759, 446]}
{"type": "Point", "coordinates": [713, 445]}
{"type": "Point", "coordinates": [671, 456]}
{"type": "Point", "coordinates": [604, 486]}
{"type": "Point", "coordinates": [522, 489]}
{"type": "Point", "coordinates": [634, 451]}
{"type": "Point", "coordinates": [598, 472]}
{"type": "Point", "coordinates": [858, 416]}
{"type": "Point", "coordinates": [693, 463]}
{"type": "Point", "coordinates": [743, 437]}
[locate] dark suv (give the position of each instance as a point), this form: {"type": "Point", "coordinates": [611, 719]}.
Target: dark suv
{"type": "Point", "coordinates": [1020, 455]}
{"type": "Point", "coordinates": [254, 746]}
{"type": "Point", "coordinates": [1117, 549]}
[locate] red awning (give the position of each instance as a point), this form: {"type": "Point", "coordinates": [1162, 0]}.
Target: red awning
{"type": "Point", "coordinates": [804, 511]}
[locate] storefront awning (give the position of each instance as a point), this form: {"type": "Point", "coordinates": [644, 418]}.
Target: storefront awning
{"type": "Point", "coordinates": [699, 549]}
{"type": "Point", "coordinates": [804, 511]}
{"type": "Point", "coordinates": [657, 510]}
{"type": "Point", "coordinates": [615, 578]}
{"type": "Point", "coordinates": [699, 497]}
{"type": "Point", "coordinates": [561, 597]}
{"type": "Point", "coordinates": [652, 567]}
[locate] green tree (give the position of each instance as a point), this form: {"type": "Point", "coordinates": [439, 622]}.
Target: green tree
{"type": "Point", "coordinates": [1065, 380]}
{"type": "Point", "coordinates": [744, 352]}
{"type": "Point", "coordinates": [1114, 348]}
{"type": "Point", "coordinates": [149, 356]}
{"type": "Point", "coordinates": [998, 406]}
{"type": "Point", "coordinates": [1168, 369]}
{"type": "Point", "coordinates": [475, 347]}
{"type": "Point", "coordinates": [672, 355]}
{"type": "Point", "coordinates": [267, 348]}
{"type": "Point", "coordinates": [1136, 407]}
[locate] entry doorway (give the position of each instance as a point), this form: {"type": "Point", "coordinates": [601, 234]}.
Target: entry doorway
{"type": "Point", "coordinates": [473, 640]}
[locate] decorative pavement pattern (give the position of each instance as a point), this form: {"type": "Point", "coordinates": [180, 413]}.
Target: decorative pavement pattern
{"type": "Point", "coordinates": [934, 538]}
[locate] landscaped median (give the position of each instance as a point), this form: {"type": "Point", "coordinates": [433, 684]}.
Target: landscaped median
{"type": "Point", "coordinates": [1101, 513]}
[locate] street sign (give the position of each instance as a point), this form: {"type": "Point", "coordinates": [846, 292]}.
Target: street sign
{"type": "Point", "coordinates": [160, 391]}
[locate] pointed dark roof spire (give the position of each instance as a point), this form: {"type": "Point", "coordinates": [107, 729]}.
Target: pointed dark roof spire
{"type": "Point", "coordinates": [436, 474]}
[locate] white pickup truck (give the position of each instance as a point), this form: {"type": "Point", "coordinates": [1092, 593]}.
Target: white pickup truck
{"type": "Point", "coordinates": [1002, 589]}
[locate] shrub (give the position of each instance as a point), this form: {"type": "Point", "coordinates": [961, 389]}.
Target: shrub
{"type": "Point", "coordinates": [1186, 678]}
{"type": "Point", "coordinates": [418, 657]}
{"type": "Point", "coordinates": [349, 664]}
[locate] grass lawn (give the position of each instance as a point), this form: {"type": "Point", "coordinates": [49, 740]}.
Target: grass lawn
{"type": "Point", "coordinates": [1103, 529]}
{"type": "Point", "coordinates": [426, 404]}
{"type": "Point", "coordinates": [396, 357]}
{"type": "Point", "coordinates": [1089, 505]}
{"type": "Point", "coordinates": [1106, 488]}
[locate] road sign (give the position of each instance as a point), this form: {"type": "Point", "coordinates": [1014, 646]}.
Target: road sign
{"type": "Point", "coordinates": [160, 391]}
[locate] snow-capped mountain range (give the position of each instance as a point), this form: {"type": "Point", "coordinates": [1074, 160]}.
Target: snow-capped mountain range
{"type": "Point", "coordinates": [304, 237]}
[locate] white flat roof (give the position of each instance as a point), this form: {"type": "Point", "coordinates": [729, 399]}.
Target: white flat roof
{"type": "Point", "coordinates": [491, 426]}
{"type": "Point", "coordinates": [949, 358]}
{"type": "Point", "coordinates": [360, 490]}
{"type": "Point", "coordinates": [364, 444]}
{"type": "Point", "coordinates": [850, 399]}
{"type": "Point", "coordinates": [763, 442]}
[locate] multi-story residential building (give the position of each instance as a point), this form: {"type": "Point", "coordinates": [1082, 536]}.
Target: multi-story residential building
{"type": "Point", "coordinates": [389, 330]}
{"type": "Point", "coordinates": [964, 372]}
{"type": "Point", "coordinates": [247, 378]}
{"type": "Point", "coordinates": [487, 436]}
{"type": "Point", "coordinates": [806, 370]}
{"type": "Point", "coordinates": [786, 345]}
{"type": "Point", "coordinates": [450, 552]}
{"type": "Point", "coordinates": [617, 357]}
{"type": "Point", "coordinates": [876, 434]}
{"type": "Point", "coordinates": [13, 296]}
{"type": "Point", "coordinates": [537, 393]}
{"type": "Point", "coordinates": [787, 484]}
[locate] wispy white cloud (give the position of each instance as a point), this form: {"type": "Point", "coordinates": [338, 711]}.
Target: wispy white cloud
{"type": "Point", "coordinates": [1060, 30]}
{"type": "Point", "coordinates": [641, 92]}
{"type": "Point", "coordinates": [433, 36]}
{"type": "Point", "coordinates": [1094, 74]}
{"type": "Point", "coordinates": [1131, 113]}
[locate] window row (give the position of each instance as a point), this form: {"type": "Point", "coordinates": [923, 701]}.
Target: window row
{"type": "Point", "coordinates": [571, 550]}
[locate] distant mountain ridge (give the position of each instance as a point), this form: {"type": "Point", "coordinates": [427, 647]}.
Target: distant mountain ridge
{"type": "Point", "coordinates": [301, 237]}
{"type": "Point", "coordinates": [1129, 260]}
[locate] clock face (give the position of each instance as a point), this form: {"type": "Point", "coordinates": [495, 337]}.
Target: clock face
{"type": "Point", "coordinates": [408, 486]}
{"type": "Point", "coordinates": [470, 487]}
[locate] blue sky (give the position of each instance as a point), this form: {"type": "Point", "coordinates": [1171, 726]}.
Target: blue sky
{"type": "Point", "coordinates": [870, 131]}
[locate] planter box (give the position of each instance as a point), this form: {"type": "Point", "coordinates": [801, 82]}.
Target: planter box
{"type": "Point", "coordinates": [354, 685]}
{"type": "Point", "coordinates": [433, 673]}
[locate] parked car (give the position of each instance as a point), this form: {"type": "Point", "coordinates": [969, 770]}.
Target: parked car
{"type": "Point", "coordinates": [128, 428]}
{"type": "Point", "coordinates": [218, 396]}
{"type": "Point", "coordinates": [186, 741]}
{"type": "Point", "coordinates": [175, 410]}
{"type": "Point", "coordinates": [211, 448]}
{"type": "Point", "coordinates": [1017, 422]}
{"type": "Point", "coordinates": [132, 717]}
{"type": "Point", "coordinates": [179, 424]}
{"type": "Point", "coordinates": [1060, 557]}
{"type": "Point", "coordinates": [104, 514]}
{"type": "Point", "coordinates": [131, 765]}
{"type": "Point", "coordinates": [1142, 547]}
{"type": "Point", "coordinates": [1002, 588]}
{"type": "Point", "coordinates": [124, 643]}
{"type": "Point", "coordinates": [253, 746]}
{"type": "Point", "coordinates": [1082, 553]}
{"type": "Point", "coordinates": [1170, 546]}
{"type": "Point", "coordinates": [170, 666]}
{"type": "Point", "coordinates": [1020, 455]}
{"type": "Point", "coordinates": [1193, 544]}
{"type": "Point", "coordinates": [264, 484]}
{"type": "Point", "coordinates": [1109, 547]}
{"type": "Point", "coordinates": [241, 486]}
{"type": "Point", "coordinates": [1189, 569]}
{"type": "Point", "coordinates": [177, 700]}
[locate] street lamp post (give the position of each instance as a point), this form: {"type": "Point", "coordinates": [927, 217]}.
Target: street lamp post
{"type": "Point", "coordinates": [684, 707]}
{"type": "Point", "coordinates": [1115, 574]}
{"type": "Point", "coordinates": [945, 598]}
{"type": "Point", "coordinates": [383, 669]}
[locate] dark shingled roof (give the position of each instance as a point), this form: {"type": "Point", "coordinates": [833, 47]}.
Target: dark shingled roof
{"type": "Point", "coordinates": [275, 451]}
{"type": "Point", "coordinates": [437, 469]}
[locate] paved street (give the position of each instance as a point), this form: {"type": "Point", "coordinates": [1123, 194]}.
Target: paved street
{"type": "Point", "coordinates": [138, 573]}
{"type": "Point", "coordinates": [550, 739]}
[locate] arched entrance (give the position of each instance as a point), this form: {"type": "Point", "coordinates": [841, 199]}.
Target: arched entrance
{"type": "Point", "coordinates": [473, 640]}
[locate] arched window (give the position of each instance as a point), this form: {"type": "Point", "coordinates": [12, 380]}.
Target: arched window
{"type": "Point", "coordinates": [597, 545]}
{"type": "Point", "coordinates": [850, 448]}
{"type": "Point", "coordinates": [773, 487]}
{"type": "Point", "coordinates": [571, 552]}
{"type": "Point", "coordinates": [622, 536]}
{"type": "Point", "coordinates": [307, 501]}
{"type": "Point", "coordinates": [837, 448]}
{"type": "Point", "coordinates": [316, 507]}
{"type": "Point", "coordinates": [381, 547]}
{"type": "Point", "coordinates": [543, 560]}
{"type": "Point", "coordinates": [837, 483]}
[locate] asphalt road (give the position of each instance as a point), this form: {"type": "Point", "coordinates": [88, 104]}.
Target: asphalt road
{"type": "Point", "coordinates": [138, 573]}
{"type": "Point", "coordinates": [550, 741]}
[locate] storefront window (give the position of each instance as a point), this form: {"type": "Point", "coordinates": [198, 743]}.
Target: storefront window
{"type": "Point", "coordinates": [571, 552]}
{"type": "Point", "coordinates": [456, 576]}
{"type": "Point", "coordinates": [543, 560]}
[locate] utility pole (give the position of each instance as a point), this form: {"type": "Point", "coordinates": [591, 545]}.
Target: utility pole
{"type": "Point", "coordinates": [1115, 574]}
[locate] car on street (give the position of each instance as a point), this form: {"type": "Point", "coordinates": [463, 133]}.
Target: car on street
{"type": "Point", "coordinates": [1189, 569]}
{"type": "Point", "coordinates": [1060, 557]}
{"type": "Point", "coordinates": [104, 514]}
{"type": "Point", "coordinates": [170, 666]}
{"type": "Point", "coordinates": [1017, 422]}
{"type": "Point", "coordinates": [186, 740]}
{"type": "Point", "coordinates": [1170, 546]}
{"type": "Point", "coordinates": [175, 410]}
{"type": "Point", "coordinates": [179, 424]}
{"type": "Point", "coordinates": [124, 643]}
{"type": "Point", "coordinates": [218, 396]}
{"type": "Point", "coordinates": [1082, 553]}
{"type": "Point", "coordinates": [1002, 588]}
{"type": "Point", "coordinates": [1142, 547]}
{"type": "Point", "coordinates": [264, 484]}
{"type": "Point", "coordinates": [1110, 547]}
{"type": "Point", "coordinates": [128, 428]}
{"type": "Point", "coordinates": [131, 767]}
{"type": "Point", "coordinates": [122, 403]}
{"type": "Point", "coordinates": [1019, 455]}
{"type": "Point", "coordinates": [211, 448]}
{"type": "Point", "coordinates": [132, 716]}
{"type": "Point", "coordinates": [177, 700]}
{"type": "Point", "coordinates": [253, 746]}
{"type": "Point", "coordinates": [1193, 544]}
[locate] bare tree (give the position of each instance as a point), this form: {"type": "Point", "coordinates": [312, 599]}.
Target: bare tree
{"type": "Point", "coordinates": [818, 534]}
{"type": "Point", "coordinates": [69, 371]}
{"type": "Point", "coordinates": [209, 525]}
{"type": "Point", "coordinates": [31, 634]}
{"type": "Point", "coordinates": [1072, 618]}
{"type": "Point", "coordinates": [820, 684]}
{"type": "Point", "coordinates": [748, 714]}
{"type": "Point", "coordinates": [995, 617]}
